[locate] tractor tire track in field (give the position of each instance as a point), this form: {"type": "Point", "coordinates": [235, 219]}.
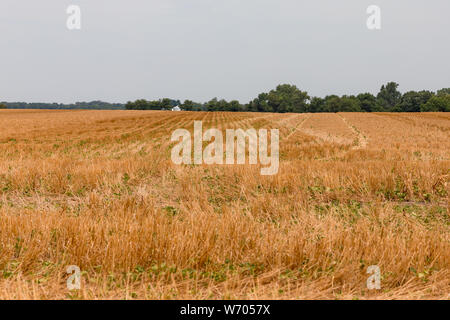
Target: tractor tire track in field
{"type": "Point", "coordinates": [298, 127]}
{"type": "Point", "coordinates": [353, 134]}
{"type": "Point", "coordinates": [362, 141]}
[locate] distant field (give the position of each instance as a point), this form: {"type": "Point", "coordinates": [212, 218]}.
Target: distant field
{"type": "Point", "coordinates": [98, 189]}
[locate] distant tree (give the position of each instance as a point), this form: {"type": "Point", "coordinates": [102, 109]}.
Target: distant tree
{"type": "Point", "coordinates": [284, 98]}
{"type": "Point", "coordinates": [389, 96]}
{"type": "Point", "coordinates": [166, 103]}
{"type": "Point", "coordinates": [332, 103]}
{"type": "Point", "coordinates": [350, 104]}
{"type": "Point", "coordinates": [222, 105]}
{"type": "Point", "coordinates": [260, 104]}
{"type": "Point", "coordinates": [342, 104]}
{"type": "Point", "coordinates": [252, 106]}
{"type": "Point", "coordinates": [93, 105]}
{"type": "Point", "coordinates": [443, 92]}
{"type": "Point", "coordinates": [439, 103]}
{"type": "Point", "coordinates": [142, 104]}
{"type": "Point", "coordinates": [199, 107]}
{"type": "Point", "coordinates": [288, 98]}
{"type": "Point", "coordinates": [367, 102]}
{"type": "Point", "coordinates": [263, 103]}
{"type": "Point", "coordinates": [212, 105]}
{"type": "Point", "coordinates": [187, 105]}
{"type": "Point", "coordinates": [3, 106]}
{"type": "Point", "coordinates": [156, 105]}
{"type": "Point", "coordinates": [412, 101]}
{"type": "Point", "coordinates": [316, 105]}
{"type": "Point", "coordinates": [130, 105]}
{"type": "Point", "coordinates": [235, 106]}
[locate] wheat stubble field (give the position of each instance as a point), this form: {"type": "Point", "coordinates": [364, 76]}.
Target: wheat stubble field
{"type": "Point", "coordinates": [97, 189]}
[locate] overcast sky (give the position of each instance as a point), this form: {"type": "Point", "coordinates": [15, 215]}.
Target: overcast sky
{"type": "Point", "coordinates": [232, 49]}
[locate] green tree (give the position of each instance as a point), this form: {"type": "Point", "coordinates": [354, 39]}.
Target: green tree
{"type": "Point", "coordinates": [285, 98]}
{"type": "Point", "coordinates": [367, 102]}
{"type": "Point", "coordinates": [260, 104]}
{"type": "Point", "coordinates": [389, 96]}
{"type": "Point", "coordinates": [222, 105]}
{"type": "Point", "coordinates": [443, 92]}
{"type": "Point", "coordinates": [437, 104]}
{"type": "Point", "coordinates": [350, 104]}
{"type": "Point", "coordinates": [342, 104]}
{"type": "Point", "coordinates": [165, 103]}
{"type": "Point", "coordinates": [331, 104]}
{"type": "Point", "coordinates": [316, 105]}
{"type": "Point", "coordinates": [288, 98]}
{"type": "Point", "coordinates": [235, 106]}
{"type": "Point", "coordinates": [412, 101]}
{"type": "Point", "coordinates": [142, 104]}
{"type": "Point", "coordinates": [212, 105]}
{"type": "Point", "coordinates": [188, 105]}
{"type": "Point", "coordinates": [130, 105]}
{"type": "Point", "coordinates": [3, 106]}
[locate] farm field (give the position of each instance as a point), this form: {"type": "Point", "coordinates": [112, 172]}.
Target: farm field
{"type": "Point", "coordinates": [98, 190]}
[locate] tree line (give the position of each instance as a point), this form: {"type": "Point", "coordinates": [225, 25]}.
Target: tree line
{"type": "Point", "coordinates": [288, 98]}
{"type": "Point", "coordinates": [284, 98]}
{"type": "Point", "coordinates": [92, 105]}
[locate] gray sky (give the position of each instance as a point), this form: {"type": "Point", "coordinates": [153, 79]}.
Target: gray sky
{"type": "Point", "coordinates": [232, 49]}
